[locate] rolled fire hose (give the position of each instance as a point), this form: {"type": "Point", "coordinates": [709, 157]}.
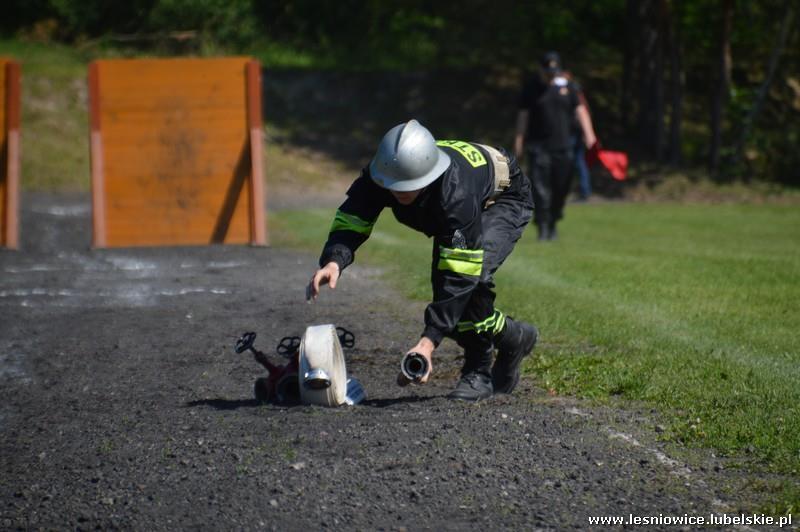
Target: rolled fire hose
{"type": "Point", "coordinates": [323, 375]}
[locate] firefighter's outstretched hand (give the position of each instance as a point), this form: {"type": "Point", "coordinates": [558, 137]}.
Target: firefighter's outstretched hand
{"type": "Point", "coordinates": [425, 348]}
{"type": "Point", "coordinates": [328, 274]}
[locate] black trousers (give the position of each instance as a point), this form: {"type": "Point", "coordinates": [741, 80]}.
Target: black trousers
{"type": "Point", "coordinates": [551, 178]}
{"type": "Point", "coordinates": [502, 226]}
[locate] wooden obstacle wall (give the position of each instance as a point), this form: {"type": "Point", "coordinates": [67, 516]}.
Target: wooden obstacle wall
{"type": "Point", "coordinates": [10, 112]}
{"type": "Point", "coordinates": [176, 148]}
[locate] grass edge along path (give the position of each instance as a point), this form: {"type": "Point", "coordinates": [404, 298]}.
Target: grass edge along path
{"type": "Point", "coordinates": [691, 309]}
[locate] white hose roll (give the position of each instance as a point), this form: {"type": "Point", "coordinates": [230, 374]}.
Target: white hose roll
{"type": "Point", "coordinates": [321, 360]}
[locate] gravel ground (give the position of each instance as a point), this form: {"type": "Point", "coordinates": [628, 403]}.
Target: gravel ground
{"type": "Point", "coordinates": [123, 406]}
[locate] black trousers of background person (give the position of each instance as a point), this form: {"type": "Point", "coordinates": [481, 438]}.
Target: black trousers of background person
{"type": "Point", "coordinates": [551, 179]}
{"type": "Point", "coordinates": [502, 226]}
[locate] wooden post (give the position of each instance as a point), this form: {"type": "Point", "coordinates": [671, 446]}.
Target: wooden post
{"type": "Point", "coordinates": [96, 155]}
{"type": "Point", "coordinates": [13, 104]}
{"type": "Point", "coordinates": [258, 233]}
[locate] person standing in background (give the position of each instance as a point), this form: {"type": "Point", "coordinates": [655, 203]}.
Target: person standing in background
{"type": "Point", "coordinates": [548, 107]}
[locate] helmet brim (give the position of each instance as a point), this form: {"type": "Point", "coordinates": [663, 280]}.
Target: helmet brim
{"type": "Point", "coordinates": [400, 185]}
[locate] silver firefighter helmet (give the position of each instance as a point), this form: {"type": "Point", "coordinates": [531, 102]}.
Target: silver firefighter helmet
{"type": "Point", "coordinates": [408, 158]}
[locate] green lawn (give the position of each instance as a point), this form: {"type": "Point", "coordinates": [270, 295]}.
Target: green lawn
{"type": "Point", "coordinates": [692, 309]}
{"type": "Point", "coordinates": [55, 127]}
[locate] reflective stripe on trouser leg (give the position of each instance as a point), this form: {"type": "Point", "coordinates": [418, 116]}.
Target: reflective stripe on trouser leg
{"type": "Point", "coordinates": [493, 324]}
{"type": "Point", "coordinates": [477, 340]}
{"type": "Point", "coordinates": [478, 345]}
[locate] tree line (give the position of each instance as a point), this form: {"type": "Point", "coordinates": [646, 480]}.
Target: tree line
{"type": "Point", "coordinates": [734, 64]}
{"type": "Point", "coordinates": [713, 83]}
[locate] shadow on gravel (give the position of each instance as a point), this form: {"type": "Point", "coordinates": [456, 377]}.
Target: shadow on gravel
{"type": "Point", "coordinates": [383, 403]}
{"type": "Point", "coordinates": [224, 404]}
{"type": "Point", "coordinates": [235, 404]}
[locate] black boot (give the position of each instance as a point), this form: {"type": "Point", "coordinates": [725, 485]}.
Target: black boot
{"type": "Point", "coordinates": [515, 343]}
{"type": "Point", "coordinates": [476, 380]}
{"type": "Point", "coordinates": [553, 234]}
{"type": "Point", "coordinates": [473, 386]}
{"type": "Point", "coordinates": [544, 231]}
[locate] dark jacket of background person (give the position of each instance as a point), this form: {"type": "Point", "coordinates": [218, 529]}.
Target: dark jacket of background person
{"type": "Point", "coordinates": [551, 112]}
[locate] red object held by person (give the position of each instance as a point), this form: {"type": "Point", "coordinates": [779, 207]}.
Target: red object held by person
{"type": "Point", "coordinates": [616, 162]}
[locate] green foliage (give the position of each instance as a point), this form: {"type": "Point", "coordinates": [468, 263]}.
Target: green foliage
{"type": "Point", "coordinates": [95, 17]}
{"type": "Point", "coordinates": [348, 33]}
{"type": "Point", "coordinates": [472, 35]}
{"type": "Point", "coordinates": [230, 22]}
{"type": "Point", "coordinates": [20, 14]}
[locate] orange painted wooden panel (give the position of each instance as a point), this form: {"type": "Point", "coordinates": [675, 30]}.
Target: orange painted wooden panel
{"type": "Point", "coordinates": [3, 152]}
{"type": "Point", "coordinates": [9, 151]}
{"type": "Point", "coordinates": [3, 62]}
{"type": "Point", "coordinates": [175, 151]}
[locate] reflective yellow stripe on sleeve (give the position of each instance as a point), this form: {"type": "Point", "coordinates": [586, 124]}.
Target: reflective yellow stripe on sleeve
{"type": "Point", "coordinates": [350, 222]}
{"type": "Point", "coordinates": [463, 261]}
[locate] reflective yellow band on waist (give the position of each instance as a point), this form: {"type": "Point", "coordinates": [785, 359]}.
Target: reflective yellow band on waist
{"type": "Point", "coordinates": [350, 222]}
{"type": "Point", "coordinates": [464, 268]}
{"type": "Point", "coordinates": [463, 261]}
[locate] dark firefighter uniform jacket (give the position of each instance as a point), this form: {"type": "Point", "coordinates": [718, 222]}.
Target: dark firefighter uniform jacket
{"type": "Point", "coordinates": [449, 210]}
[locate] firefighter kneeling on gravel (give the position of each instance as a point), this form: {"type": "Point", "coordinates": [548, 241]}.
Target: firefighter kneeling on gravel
{"type": "Point", "coordinates": [475, 202]}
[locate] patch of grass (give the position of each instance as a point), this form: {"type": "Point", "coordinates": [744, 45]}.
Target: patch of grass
{"type": "Point", "coordinates": [277, 55]}
{"type": "Point", "coordinates": [55, 128]}
{"type": "Point", "coordinates": [294, 168]}
{"type": "Point", "coordinates": [694, 186]}
{"type": "Point", "coordinates": [786, 498]}
{"type": "Point", "coordinates": [689, 308]}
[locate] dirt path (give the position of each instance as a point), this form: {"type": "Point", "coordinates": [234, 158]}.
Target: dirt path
{"type": "Point", "coordinates": [122, 405]}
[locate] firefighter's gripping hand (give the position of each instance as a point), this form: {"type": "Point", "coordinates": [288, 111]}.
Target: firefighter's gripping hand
{"type": "Point", "coordinates": [328, 274]}
{"type": "Point", "coordinates": [425, 348]}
